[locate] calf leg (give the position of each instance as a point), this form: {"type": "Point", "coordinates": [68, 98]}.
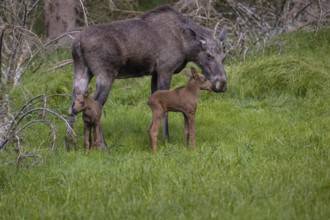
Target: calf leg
{"type": "Point", "coordinates": [154, 130]}
{"type": "Point", "coordinates": [97, 136]}
{"type": "Point", "coordinates": [186, 131]}
{"type": "Point", "coordinates": [191, 123]}
{"type": "Point", "coordinates": [88, 139]}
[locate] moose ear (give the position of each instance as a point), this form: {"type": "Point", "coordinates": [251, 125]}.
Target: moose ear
{"type": "Point", "coordinates": [203, 44]}
{"type": "Point", "coordinates": [198, 37]}
{"type": "Point", "coordinates": [223, 34]}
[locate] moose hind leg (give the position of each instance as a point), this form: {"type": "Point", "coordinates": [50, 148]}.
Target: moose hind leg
{"type": "Point", "coordinates": [82, 77]}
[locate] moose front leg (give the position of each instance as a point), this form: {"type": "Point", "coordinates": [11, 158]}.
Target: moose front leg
{"type": "Point", "coordinates": [103, 86]}
{"type": "Point", "coordinates": [163, 83]}
{"type": "Point", "coordinates": [82, 77]}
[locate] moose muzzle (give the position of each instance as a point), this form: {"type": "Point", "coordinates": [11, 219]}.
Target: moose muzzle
{"type": "Point", "coordinates": [219, 85]}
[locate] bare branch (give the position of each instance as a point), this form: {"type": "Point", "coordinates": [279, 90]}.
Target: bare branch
{"type": "Point", "coordinates": [46, 122]}
{"type": "Point", "coordinates": [84, 12]}
{"type": "Point", "coordinates": [46, 45]}
{"type": "Point", "coordinates": [61, 64]}
{"type": "Point", "coordinates": [11, 128]}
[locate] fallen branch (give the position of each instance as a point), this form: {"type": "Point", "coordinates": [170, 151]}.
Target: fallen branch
{"type": "Point", "coordinates": [61, 64]}
{"type": "Point", "coordinates": [12, 129]}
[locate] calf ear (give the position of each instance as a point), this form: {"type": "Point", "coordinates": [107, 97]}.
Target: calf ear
{"type": "Point", "coordinates": [88, 91]}
{"type": "Point", "coordinates": [188, 73]}
{"type": "Point", "coordinates": [194, 72]}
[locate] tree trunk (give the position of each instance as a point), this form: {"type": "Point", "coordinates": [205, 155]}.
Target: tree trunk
{"type": "Point", "coordinates": [61, 16]}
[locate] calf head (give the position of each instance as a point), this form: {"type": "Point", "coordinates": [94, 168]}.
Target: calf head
{"type": "Point", "coordinates": [79, 104]}
{"type": "Point", "coordinates": [201, 81]}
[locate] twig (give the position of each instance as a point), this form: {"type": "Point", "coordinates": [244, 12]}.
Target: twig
{"type": "Point", "coordinates": [48, 123]}
{"type": "Point", "coordinates": [46, 44]}
{"type": "Point", "coordinates": [61, 64]}
{"type": "Point", "coordinates": [2, 31]}
{"type": "Point", "coordinates": [48, 110]}
{"type": "Point", "coordinates": [84, 12]}
{"type": "Point", "coordinates": [15, 121]}
{"type": "Point", "coordinates": [127, 11]}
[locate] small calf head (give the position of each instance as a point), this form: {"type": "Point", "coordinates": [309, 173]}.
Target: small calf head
{"type": "Point", "coordinates": [201, 80]}
{"type": "Point", "coordinates": [79, 104]}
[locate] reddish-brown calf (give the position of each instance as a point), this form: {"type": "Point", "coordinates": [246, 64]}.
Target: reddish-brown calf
{"type": "Point", "coordinates": [182, 99]}
{"type": "Point", "coordinates": [92, 112]}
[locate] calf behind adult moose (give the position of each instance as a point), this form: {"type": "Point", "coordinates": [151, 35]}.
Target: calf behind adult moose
{"type": "Point", "coordinates": [182, 99]}
{"type": "Point", "coordinates": [91, 114]}
{"type": "Point", "coordinates": [159, 43]}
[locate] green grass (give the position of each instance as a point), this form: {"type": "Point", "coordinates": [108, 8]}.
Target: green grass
{"type": "Point", "coordinates": [262, 148]}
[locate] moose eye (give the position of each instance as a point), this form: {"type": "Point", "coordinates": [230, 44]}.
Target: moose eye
{"type": "Point", "coordinates": [209, 56]}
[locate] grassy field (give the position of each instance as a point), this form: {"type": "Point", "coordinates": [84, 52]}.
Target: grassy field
{"type": "Point", "coordinates": [262, 148]}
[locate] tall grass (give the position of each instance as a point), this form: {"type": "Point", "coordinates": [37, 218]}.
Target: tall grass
{"type": "Point", "coordinates": [277, 75]}
{"type": "Point", "coordinates": [262, 149]}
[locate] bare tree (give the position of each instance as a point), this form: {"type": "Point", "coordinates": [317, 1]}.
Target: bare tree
{"type": "Point", "coordinates": [16, 41]}
{"type": "Point", "coordinates": [18, 21]}
{"type": "Point", "coordinates": [19, 48]}
{"type": "Point", "coordinates": [61, 16]}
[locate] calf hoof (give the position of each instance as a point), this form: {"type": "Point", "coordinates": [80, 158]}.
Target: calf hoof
{"type": "Point", "coordinates": [97, 146]}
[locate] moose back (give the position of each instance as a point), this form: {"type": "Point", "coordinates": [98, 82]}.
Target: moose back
{"type": "Point", "coordinates": [158, 43]}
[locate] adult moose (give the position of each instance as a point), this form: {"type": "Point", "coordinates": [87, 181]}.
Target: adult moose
{"type": "Point", "coordinates": [158, 43]}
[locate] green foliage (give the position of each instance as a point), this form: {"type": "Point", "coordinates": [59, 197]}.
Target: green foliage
{"type": "Point", "coordinates": [301, 70]}
{"type": "Point", "coordinates": [262, 149]}
{"type": "Point", "coordinates": [278, 75]}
